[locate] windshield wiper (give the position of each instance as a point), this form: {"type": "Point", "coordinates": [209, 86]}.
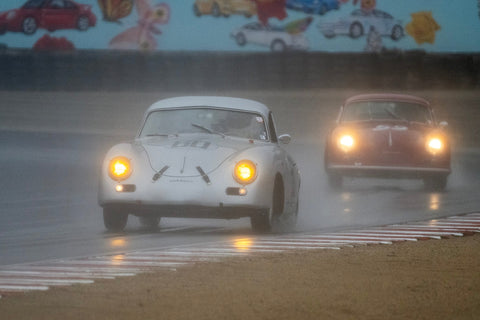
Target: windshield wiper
{"type": "Point", "coordinates": [208, 130]}
{"type": "Point", "coordinates": [395, 116]}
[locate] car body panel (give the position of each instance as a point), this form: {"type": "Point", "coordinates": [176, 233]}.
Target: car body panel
{"type": "Point", "coordinates": [48, 14]}
{"type": "Point", "coordinates": [266, 35]}
{"type": "Point", "coordinates": [387, 146]}
{"type": "Point", "coordinates": [196, 169]}
{"type": "Point", "coordinates": [225, 7]}
{"type": "Point", "coordinates": [313, 6]}
{"type": "Point", "coordinates": [382, 22]}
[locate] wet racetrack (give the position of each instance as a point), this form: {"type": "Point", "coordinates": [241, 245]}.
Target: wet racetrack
{"type": "Point", "coordinates": [53, 144]}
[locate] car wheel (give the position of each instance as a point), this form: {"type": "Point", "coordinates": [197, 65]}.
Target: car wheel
{"type": "Point", "coordinates": [241, 40]}
{"type": "Point", "coordinates": [397, 32]}
{"type": "Point", "coordinates": [335, 181]}
{"type": "Point", "coordinates": [83, 23]}
{"type": "Point", "coordinates": [278, 46]}
{"type": "Point", "coordinates": [3, 29]}
{"type": "Point", "coordinates": [267, 221]}
{"type": "Point", "coordinates": [29, 25]}
{"type": "Point", "coordinates": [150, 221]}
{"type": "Point", "coordinates": [216, 10]}
{"type": "Point", "coordinates": [356, 30]}
{"type": "Point", "coordinates": [114, 219]}
{"type": "Point", "coordinates": [435, 183]}
{"type": "Point", "coordinates": [196, 11]}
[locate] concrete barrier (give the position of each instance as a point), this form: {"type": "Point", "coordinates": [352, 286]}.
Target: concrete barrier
{"type": "Point", "coordinates": [113, 70]}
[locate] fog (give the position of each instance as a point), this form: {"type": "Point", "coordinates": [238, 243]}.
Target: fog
{"type": "Point", "coordinates": [53, 144]}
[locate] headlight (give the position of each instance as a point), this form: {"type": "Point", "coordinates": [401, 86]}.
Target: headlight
{"type": "Point", "coordinates": [245, 172]}
{"type": "Point", "coordinates": [435, 145]}
{"type": "Point", "coordinates": [119, 168]}
{"type": "Point", "coordinates": [346, 142]}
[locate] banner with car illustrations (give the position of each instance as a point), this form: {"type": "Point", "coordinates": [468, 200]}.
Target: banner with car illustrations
{"type": "Point", "coordinates": [242, 25]}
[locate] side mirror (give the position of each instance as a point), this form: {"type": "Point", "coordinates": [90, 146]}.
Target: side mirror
{"type": "Point", "coordinates": [285, 138]}
{"type": "Point", "coordinates": [443, 124]}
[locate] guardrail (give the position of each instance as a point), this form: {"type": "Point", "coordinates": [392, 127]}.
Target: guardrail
{"type": "Point", "coordinates": [113, 70]}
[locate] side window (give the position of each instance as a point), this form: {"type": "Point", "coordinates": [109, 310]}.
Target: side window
{"type": "Point", "coordinates": [271, 128]}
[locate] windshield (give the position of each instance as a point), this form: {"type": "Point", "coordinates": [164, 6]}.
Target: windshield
{"type": "Point", "coordinates": [205, 120]}
{"type": "Point", "coordinates": [32, 4]}
{"type": "Point", "coordinates": [386, 110]}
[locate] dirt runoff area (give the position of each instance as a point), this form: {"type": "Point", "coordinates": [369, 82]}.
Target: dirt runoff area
{"type": "Point", "coordinates": [432, 279]}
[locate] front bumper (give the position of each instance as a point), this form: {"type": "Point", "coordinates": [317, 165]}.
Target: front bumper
{"type": "Point", "coordinates": [387, 171]}
{"type": "Point", "coordinates": [188, 197]}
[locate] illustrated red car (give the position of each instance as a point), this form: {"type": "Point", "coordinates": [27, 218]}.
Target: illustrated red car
{"type": "Point", "coordinates": [48, 14]}
{"type": "Point", "coordinates": [388, 136]}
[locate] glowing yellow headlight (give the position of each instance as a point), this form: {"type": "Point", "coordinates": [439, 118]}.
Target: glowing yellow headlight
{"type": "Point", "coordinates": [435, 145]}
{"type": "Point", "coordinates": [120, 168]}
{"type": "Point", "coordinates": [346, 142]}
{"type": "Point", "coordinates": [245, 171]}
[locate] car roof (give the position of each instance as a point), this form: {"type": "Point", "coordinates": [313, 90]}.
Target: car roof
{"type": "Point", "coordinates": [387, 96]}
{"type": "Point", "coordinates": [211, 101]}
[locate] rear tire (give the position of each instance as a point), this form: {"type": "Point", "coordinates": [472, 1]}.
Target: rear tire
{"type": "Point", "coordinates": [83, 23]}
{"type": "Point", "coordinates": [278, 46]}
{"type": "Point", "coordinates": [356, 30]}
{"type": "Point", "coordinates": [114, 219]}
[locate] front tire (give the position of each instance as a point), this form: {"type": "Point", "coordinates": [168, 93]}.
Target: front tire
{"type": "Point", "coordinates": [240, 39]}
{"type": "Point", "coordinates": [29, 25]}
{"type": "Point", "coordinates": [397, 32]}
{"type": "Point", "coordinates": [114, 219]}
{"type": "Point", "coordinates": [267, 221]}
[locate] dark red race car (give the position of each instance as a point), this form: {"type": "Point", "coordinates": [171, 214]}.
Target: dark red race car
{"type": "Point", "coordinates": [388, 136]}
{"type": "Point", "coordinates": [48, 14]}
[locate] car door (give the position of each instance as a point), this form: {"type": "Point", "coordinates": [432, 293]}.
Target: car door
{"type": "Point", "coordinates": [59, 14]}
{"type": "Point", "coordinates": [255, 33]}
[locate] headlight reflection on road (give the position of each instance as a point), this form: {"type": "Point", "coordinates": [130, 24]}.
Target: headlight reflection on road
{"type": "Point", "coordinates": [118, 243]}
{"type": "Point", "coordinates": [117, 259]}
{"type": "Point", "coordinates": [434, 202]}
{"type": "Point", "coordinates": [346, 197]}
{"type": "Point", "coordinates": [243, 244]}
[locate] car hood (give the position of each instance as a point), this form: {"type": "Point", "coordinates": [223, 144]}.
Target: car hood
{"type": "Point", "coordinates": [184, 155]}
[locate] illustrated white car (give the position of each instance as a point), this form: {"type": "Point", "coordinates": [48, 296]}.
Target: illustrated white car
{"type": "Point", "coordinates": [359, 23]}
{"type": "Point", "coordinates": [277, 38]}
{"type": "Point", "coordinates": [202, 157]}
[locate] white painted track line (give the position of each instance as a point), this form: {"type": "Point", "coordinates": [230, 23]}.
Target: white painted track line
{"type": "Point", "coordinates": [63, 272]}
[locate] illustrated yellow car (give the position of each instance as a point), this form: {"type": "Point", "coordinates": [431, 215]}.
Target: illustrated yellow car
{"type": "Point", "coordinates": [224, 7]}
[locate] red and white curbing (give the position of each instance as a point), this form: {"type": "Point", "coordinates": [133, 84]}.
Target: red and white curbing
{"type": "Point", "coordinates": [43, 275]}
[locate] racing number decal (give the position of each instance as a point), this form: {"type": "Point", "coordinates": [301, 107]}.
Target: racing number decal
{"type": "Point", "coordinates": [192, 144]}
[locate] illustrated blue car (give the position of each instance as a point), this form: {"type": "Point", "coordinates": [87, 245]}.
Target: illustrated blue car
{"type": "Point", "coordinates": [313, 6]}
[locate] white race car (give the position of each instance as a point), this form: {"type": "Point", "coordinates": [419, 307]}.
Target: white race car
{"type": "Point", "coordinates": [360, 22]}
{"type": "Point", "coordinates": [277, 38]}
{"type": "Point", "coordinates": [202, 157]}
